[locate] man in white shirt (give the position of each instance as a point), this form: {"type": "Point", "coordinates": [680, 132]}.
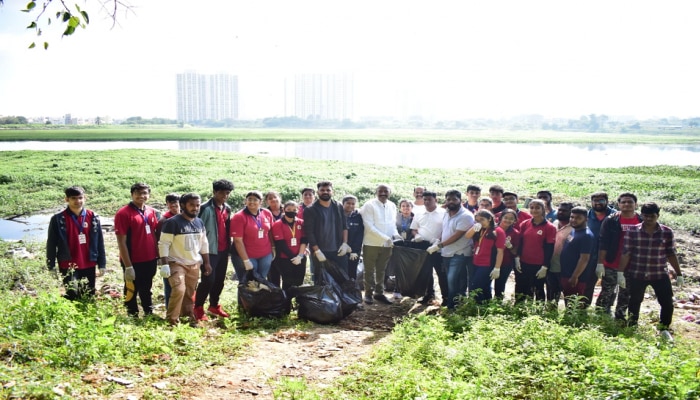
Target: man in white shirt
{"type": "Point", "coordinates": [427, 228]}
{"type": "Point", "coordinates": [379, 218]}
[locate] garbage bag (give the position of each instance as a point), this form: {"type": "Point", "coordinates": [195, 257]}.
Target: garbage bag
{"type": "Point", "coordinates": [319, 304]}
{"type": "Point", "coordinates": [406, 264]}
{"type": "Point", "coordinates": [349, 296]}
{"type": "Point", "coordinates": [260, 298]}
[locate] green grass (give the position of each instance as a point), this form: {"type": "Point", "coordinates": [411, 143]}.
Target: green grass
{"type": "Point", "coordinates": [108, 133]}
{"type": "Point", "coordinates": [32, 180]}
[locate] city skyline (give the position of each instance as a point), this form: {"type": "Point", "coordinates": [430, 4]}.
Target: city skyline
{"type": "Point", "coordinates": [453, 60]}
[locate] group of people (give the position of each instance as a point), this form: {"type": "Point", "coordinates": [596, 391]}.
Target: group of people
{"type": "Point", "coordinates": [469, 244]}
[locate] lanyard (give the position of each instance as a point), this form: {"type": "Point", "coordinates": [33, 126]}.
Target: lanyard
{"type": "Point", "coordinates": [257, 221]}
{"type": "Point", "coordinates": [83, 214]}
{"type": "Point", "coordinates": [142, 212]}
{"type": "Point", "coordinates": [293, 227]}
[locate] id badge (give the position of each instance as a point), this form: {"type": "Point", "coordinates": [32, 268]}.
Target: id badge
{"type": "Point", "coordinates": [148, 229]}
{"type": "Point", "coordinates": [261, 234]}
{"type": "Point", "coordinates": [477, 250]}
{"type": "Point", "coordinates": [403, 235]}
{"type": "Point", "coordinates": [82, 239]}
{"type": "Point", "coordinates": [293, 242]}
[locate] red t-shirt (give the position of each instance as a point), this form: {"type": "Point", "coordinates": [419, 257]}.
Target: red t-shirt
{"type": "Point", "coordinates": [222, 215]}
{"type": "Point", "coordinates": [79, 252]}
{"type": "Point", "coordinates": [533, 238]}
{"type": "Point", "coordinates": [484, 246]}
{"type": "Point", "coordinates": [626, 224]}
{"type": "Point", "coordinates": [139, 228]}
{"type": "Point", "coordinates": [282, 231]}
{"type": "Point", "coordinates": [247, 226]}
{"type": "Point", "coordinates": [508, 257]}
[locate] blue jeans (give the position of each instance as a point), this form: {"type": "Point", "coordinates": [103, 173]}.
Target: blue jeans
{"type": "Point", "coordinates": [456, 271]}
{"type": "Point", "coordinates": [481, 280]}
{"type": "Point", "coordinates": [260, 265]}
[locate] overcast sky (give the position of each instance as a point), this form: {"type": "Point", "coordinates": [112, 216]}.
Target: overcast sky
{"type": "Point", "coordinates": [444, 59]}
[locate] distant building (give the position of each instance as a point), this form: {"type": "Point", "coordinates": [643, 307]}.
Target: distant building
{"type": "Point", "coordinates": [320, 96]}
{"type": "Point", "coordinates": [206, 97]}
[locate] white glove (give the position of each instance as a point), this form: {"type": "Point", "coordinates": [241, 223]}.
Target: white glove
{"type": "Point", "coordinates": [354, 256]}
{"type": "Point", "coordinates": [389, 243]}
{"type": "Point", "coordinates": [418, 238]}
{"type": "Point", "coordinates": [344, 249]}
{"type": "Point", "coordinates": [296, 260]}
{"type": "Point", "coordinates": [129, 274]}
{"type": "Point", "coordinates": [248, 265]}
{"type": "Point", "coordinates": [600, 270]}
{"type": "Point", "coordinates": [517, 265]}
{"type": "Point", "coordinates": [495, 273]}
{"type": "Point", "coordinates": [432, 249]}
{"type": "Point", "coordinates": [680, 281]}
{"type": "Point", "coordinates": [542, 273]}
{"type": "Point", "coordinates": [165, 271]}
{"type": "Point", "coordinates": [396, 237]}
{"type": "Point", "coordinates": [621, 282]}
{"type": "Point", "coordinates": [319, 254]}
{"type": "Point", "coordinates": [101, 271]}
{"type": "Point", "coordinates": [476, 227]}
{"type": "Point", "coordinates": [509, 245]}
{"type": "Point", "coordinates": [435, 241]}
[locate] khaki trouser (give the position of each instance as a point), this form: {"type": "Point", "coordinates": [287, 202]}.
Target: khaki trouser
{"type": "Point", "coordinates": [183, 283]}
{"type": "Point", "coordinates": [375, 259]}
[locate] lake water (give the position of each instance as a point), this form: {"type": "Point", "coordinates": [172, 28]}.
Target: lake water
{"type": "Point", "coordinates": [498, 156]}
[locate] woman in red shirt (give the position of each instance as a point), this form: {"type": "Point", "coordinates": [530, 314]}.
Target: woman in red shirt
{"type": "Point", "coordinates": [489, 242]}
{"type": "Point", "coordinates": [536, 248]}
{"type": "Point", "coordinates": [508, 224]}
{"type": "Point", "coordinates": [290, 243]}
{"type": "Point", "coordinates": [250, 230]}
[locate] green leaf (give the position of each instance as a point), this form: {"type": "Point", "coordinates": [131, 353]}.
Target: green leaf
{"type": "Point", "coordinates": [69, 30]}
{"type": "Point", "coordinates": [33, 45]}
{"type": "Point", "coordinates": [74, 21]}
{"type": "Point", "coordinates": [66, 16]}
{"type": "Point", "coordinates": [46, 45]}
{"type": "Point", "coordinates": [32, 25]}
{"type": "Point", "coordinates": [49, 21]}
{"type": "Point", "coordinates": [77, 7]}
{"type": "Point", "coordinates": [85, 17]}
{"type": "Point", "coordinates": [31, 5]}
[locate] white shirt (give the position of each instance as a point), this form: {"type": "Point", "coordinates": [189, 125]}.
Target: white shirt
{"type": "Point", "coordinates": [380, 222]}
{"type": "Point", "coordinates": [429, 224]}
{"type": "Point", "coordinates": [461, 221]}
{"type": "Point", "coordinates": [418, 210]}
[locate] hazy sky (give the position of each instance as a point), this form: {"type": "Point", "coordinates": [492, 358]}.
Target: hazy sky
{"type": "Point", "coordinates": [443, 59]}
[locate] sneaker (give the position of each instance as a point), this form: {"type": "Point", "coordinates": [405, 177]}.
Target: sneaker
{"type": "Point", "coordinates": [368, 299]}
{"type": "Point", "coordinates": [397, 296]}
{"type": "Point", "coordinates": [218, 311]}
{"type": "Point", "coordinates": [666, 335]}
{"type": "Point", "coordinates": [382, 299]}
{"type": "Point", "coordinates": [199, 314]}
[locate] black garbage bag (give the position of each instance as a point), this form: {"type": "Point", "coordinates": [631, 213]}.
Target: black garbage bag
{"type": "Point", "coordinates": [319, 304]}
{"type": "Point", "coordinates": [260, 298]}
{"type": "Point", "coordinates": [406, 264]}
{"type": "Point", "coordinates": [348, 294]}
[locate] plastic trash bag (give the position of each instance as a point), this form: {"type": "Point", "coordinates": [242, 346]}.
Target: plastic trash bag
{"type": "Point", "coordinates": [320, 304]}
{"type": "Point", "coordinates": [406, 264]}
{"type": "Point", "coordinates": [260, 298]}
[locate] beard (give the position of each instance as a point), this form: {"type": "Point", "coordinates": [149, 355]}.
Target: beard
{"type": "Point", "coordinates": [324, 197]}
{"type": "Point", "coordinates": [188, 215]}
{"type": "Point", "coordinates": [599, 207]}
{"type": "Point", "coordinates": [453, 206]}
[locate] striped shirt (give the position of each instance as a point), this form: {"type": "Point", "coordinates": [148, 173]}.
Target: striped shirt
{"type": "Point", "coordinates": [182, 241]}
{"type": "Point", "coordinates": [648, 253]}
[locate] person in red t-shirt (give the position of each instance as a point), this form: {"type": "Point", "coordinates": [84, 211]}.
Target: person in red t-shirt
{"type": "Point", "coordinates": [612, 234]}
{"type": "Point", "coordinates": [489, 242]}
{"type": "Point", "coordinates": [290, 242]}
{"type": "Point", "coordinates": [172, 201]}
{"type": "Point", "coordinates": [75, 239]}
{"type": "Point", "coordinates": [509, 225]}
{"type": "Point", "coordinates": [536, 249]}
{"type": "Point", "coordinates": [135, 226]}
{"type": "Point", "coordinates": [250, 229]}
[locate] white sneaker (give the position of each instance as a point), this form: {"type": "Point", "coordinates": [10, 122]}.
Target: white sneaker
{"type": "Point", "coordinates": [666, 335]}
{"type": "Point", "coordinates": [397, 296]}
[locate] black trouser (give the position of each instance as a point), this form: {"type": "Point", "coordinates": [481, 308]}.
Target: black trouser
{"type": "Point", "coordinates": [553, 286]}
{"type": "Point", "coordinates": [352, 267]}
{"type": "Point", "coordinates": [145, 271]}
{"type": "Point", "coordinates": [213, 284]}
{"type": "Point", "coordinates": [433, 262]}
{"type": "Point", "coordinates": [292, 275]}
{"type": "Point", "coordinates": [664, 295]}
{"type": "Point", "coordinates": [74, 280]}
{"type": "Point", "coordinates": [527, 284]}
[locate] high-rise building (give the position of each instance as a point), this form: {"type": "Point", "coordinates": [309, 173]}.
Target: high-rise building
{"type": "Point", "coordinates": [206, 97]}
{"type": "Point", "coordinates": [320, 96]}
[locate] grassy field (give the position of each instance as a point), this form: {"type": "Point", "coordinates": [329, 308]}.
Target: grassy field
{"type": "Point", "coordinates": [51, 348]}
{"type": "Point", "coordinates": [354, 135]}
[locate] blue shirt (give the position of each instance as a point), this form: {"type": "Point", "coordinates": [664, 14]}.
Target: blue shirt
{"type": "Point", "coordinates": [578, 242]}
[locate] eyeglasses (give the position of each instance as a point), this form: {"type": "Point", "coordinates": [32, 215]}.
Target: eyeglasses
{"type": "Point", "coordinates": [599, 201]}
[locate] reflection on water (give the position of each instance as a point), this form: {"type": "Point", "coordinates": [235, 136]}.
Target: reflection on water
{"type": "Point", "coordinates": [498, 156]}
{"type": "Point", "coordinates": [28, 229]}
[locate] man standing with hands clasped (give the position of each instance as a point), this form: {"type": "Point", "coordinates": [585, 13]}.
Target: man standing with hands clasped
{"type": "Point", "coordinates": [183, 246]}
{"type": "Point", "coordinates": [647, 248]}
{"type": "Point", "coordinates": [379, 219]}
{"type": "Point", "coordinates": [576, 265]}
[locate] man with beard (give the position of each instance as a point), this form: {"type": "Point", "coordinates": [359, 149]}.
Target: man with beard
{"type": "Point", "coordinates": [427, 228]}
{"type": "Point", "coordinates": [379, 219]}
{"type": "Point", "coordinates": [554, 288]}
{"type": "Point", "coordinates": [596, 215]}
{"type": "Point", "coordinates": [326, 229]}
{"type": "Point", "coordinates": [456, 249]}
{"type": "Point", "coordinates": [576, 257]}
{"type": "Point", "coordinates": [183, 247]}
{"type": "Point", "coordinates": [612, 233]}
